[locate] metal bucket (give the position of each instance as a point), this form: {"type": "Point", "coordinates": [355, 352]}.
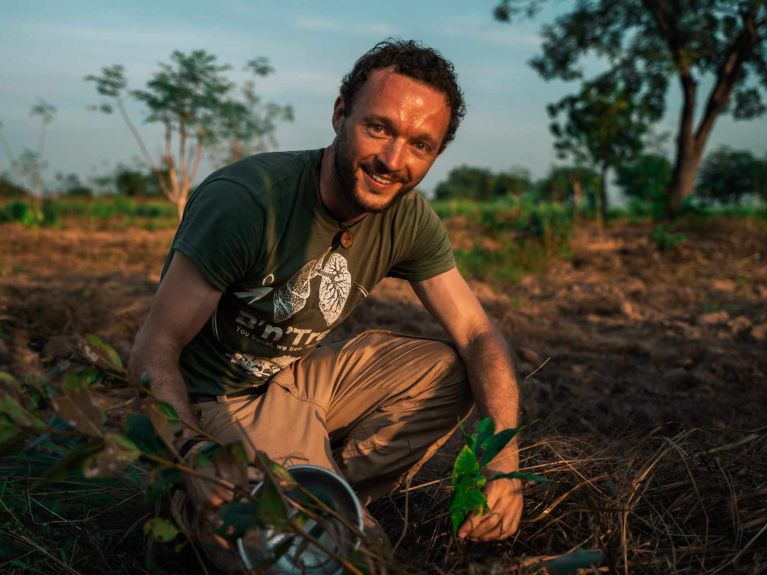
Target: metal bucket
{"type": "Point", "coordinates": [304, 557]}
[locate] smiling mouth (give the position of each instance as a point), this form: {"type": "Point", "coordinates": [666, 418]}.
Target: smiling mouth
{"type": "Point", "coordinates": [383, 180]}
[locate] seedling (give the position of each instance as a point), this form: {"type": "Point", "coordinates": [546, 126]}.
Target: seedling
{"type": "Point", "coordinates": [468, 479]}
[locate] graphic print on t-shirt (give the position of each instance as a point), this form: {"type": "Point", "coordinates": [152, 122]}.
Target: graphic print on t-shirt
{"type": "Point", "coordinates": [335, 285]}
{"type": "Point", "coordinates": [259, 366]}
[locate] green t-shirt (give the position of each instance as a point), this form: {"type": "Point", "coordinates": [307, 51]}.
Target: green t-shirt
{"type": "Point", "coordinates": [258, 232]}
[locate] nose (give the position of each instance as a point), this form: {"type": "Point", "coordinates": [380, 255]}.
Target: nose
{"type": "Point", "coordinates": [392, 155]}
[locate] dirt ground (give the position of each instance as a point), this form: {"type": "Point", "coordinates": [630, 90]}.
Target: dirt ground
{"type": "Point", "coordinates": [619, 341]}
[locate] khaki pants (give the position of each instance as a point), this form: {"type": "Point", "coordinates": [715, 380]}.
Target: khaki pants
{"type": "Point", "coordinates": [373, 408]}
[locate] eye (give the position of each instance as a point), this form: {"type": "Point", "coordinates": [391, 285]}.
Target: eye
{"type": "Point", "coordinates": [422, 147]}
{"type": "Point", "coordinates": [377, 129]}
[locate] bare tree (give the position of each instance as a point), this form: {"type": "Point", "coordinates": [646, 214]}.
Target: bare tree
{"type": "Point", "coordinates": [191, 98]}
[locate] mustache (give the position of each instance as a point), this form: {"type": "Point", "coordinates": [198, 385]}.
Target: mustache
{"type": "Point", "coordinates": [379, 169]}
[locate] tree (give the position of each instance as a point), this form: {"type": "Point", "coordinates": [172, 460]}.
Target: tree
{"type": "Point", "coordinates": [193, 100]}
{"type": "Point", "coordinates": [69, 185]}
{"type": "Point", "coordinates": [603, 125]}
{"type": "Point", "coordinates": [512, 183]}
{"type": "Point", "coordinates": [569, 184]}
{"type": "Point", "coordinates": [29, 165]}
{"type": "Point", "coordinates": [653, 41]}
{"type": "Point", "coordinates": [645, 177]}
{"type": "Point", "coordinates": [728, 175]}
{"type": "Point", "coordinates": [134, 182]}
{"type": "Point", "coordinates": [481, 184]}
{"type": "Point", "coordinates": [8, 189]}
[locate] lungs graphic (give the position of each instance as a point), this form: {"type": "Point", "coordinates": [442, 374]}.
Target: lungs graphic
{"type": "Point", "coordinates": [335, 285]}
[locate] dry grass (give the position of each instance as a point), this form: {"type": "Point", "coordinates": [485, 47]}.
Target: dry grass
{"type": "Point", "coordinates": [692, 503]}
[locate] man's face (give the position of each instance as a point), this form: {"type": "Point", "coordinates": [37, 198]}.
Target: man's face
{"type": "Point", "coordinates": [387, 143]}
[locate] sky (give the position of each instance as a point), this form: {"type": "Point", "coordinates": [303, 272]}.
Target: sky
{"type": "Point", "coordinates": [47, 47]}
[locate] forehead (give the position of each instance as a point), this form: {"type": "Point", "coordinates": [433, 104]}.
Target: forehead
{"type": "Point", "coordinates": [387, 88]}
{"type": "Point", "coordinates": [397, 97]}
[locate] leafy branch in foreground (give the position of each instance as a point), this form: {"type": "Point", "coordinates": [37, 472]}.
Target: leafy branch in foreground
{"type": "Point", "coordinates": [468, 479]}
{"type": "Point", "coordinates": [88, 446]}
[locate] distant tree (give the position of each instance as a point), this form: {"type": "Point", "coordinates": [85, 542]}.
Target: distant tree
{"type": "Point", "coordinates": [482, 185]}
{"type": "Point", "coordinates": [649, 42]}
{"type": "Point", "coordinates": [134, 182]}
{"type": "Point", "coordinates": [8, 189]}
{"type": "Point", "coordinates": [30, 165]}
{"type": "Point", "coordinates": [645, 177]}
{"type": "Point", "coordinates": [193, 100]}
{"type": "Point", "coordinates": [466, 183]}
{"type": "Point", "coordinates": [512, 183]}
{"type": "Point", "coordinates": [570, 184]}
{"type": "Point", "coordinates": [603, 125]}
{"type": "Point", "coordinates": [69, 185]}
{"type": "Point", "coordinates": [728, 175]}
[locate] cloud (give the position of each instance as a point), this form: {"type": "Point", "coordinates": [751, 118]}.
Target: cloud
{"type": "Point", "coordinates": [351, 29]}
{"type": "Point", "coordinates": [480, 28]}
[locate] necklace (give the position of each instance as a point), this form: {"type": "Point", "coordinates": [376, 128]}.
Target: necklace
{"type": "Point", "coordinates": [344, 237]}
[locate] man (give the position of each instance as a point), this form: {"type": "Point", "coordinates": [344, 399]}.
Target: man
{"type": "Point", "coordinates": [277, 249]}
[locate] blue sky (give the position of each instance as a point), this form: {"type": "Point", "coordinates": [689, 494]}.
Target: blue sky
{"type": "Point", "coordinates": [48, 47]}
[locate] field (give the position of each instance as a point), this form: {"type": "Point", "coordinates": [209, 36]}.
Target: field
{"type": "Point", "coordinates": [644, 387]}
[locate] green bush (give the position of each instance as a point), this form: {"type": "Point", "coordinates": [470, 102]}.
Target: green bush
{"type": "Point", "coordinates": [665, 239]}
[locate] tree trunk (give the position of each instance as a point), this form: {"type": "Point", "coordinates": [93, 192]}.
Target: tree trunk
{"type": "Point", "coordinates": [180, 205]}
{"type": "Point", "coordinates": [682, 184]}
{"type": "Point", "coordinates": [577, 186]}
{"type": "Point", "coordinates": [602, 197]}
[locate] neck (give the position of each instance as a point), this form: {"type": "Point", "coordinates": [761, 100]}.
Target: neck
{"type": "Point", "coordinates": [330, 196]}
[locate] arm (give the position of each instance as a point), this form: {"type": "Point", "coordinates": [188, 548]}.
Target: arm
{"type": "Point", "coordinates": [494, 384]}
{"type": "Point", "coordinates": [184, 301]}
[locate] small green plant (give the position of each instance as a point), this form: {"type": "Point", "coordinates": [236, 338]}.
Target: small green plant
{"type": "Point", "coordinates": [664, 238]}
{"type": "Point", "coordinates": [469, 479]}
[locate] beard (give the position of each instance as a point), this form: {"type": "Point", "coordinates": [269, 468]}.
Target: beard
{"type": "Point", "coordinates": [348, 184]}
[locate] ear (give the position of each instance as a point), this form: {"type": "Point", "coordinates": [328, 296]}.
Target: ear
{"type": "Point", "coordinates": [338, 113]}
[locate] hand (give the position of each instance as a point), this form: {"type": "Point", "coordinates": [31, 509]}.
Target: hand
{"type": "Point", "coordinates": [206, 495]}
{"type": "Point", "coordinates": [504, 500]}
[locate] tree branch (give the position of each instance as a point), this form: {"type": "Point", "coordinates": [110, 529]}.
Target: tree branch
{"type": "Point", "coordinates": [728, 74]}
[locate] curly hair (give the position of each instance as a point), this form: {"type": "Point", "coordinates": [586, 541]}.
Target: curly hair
{"type": "Point", "coordinates": [409, 58]}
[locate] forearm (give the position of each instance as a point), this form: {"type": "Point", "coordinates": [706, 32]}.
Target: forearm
{"type": "Point", "coordinates": [158, 361]}
{"type": "Point", "coordinates": [493, 379]}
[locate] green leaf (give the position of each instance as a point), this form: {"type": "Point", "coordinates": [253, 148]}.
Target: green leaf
{"type": "Point", "coordinates": [169, 412]}
{"type": "Point", "coordinates": [7, 381]}
{"type": "Point", "coordinates": [161, 529]}
{"type": "Point", "coordinates": [571, 562]}
{"type": "Point", "coordinates": [272, 509]}
{"type": "Point", "coordinates": [81, 379]}
{"type": "Point", "coordinates": [160, 480]}
{"type": "Point", "coordinates": [13, 409]}
{"type": "Point", "coordinates": [141, 432]}
{"type": "Point", "coordinates": [234, 519]}
{"type": "Point", "coordinates": [118, 452]}
{"type": "Point", "coordinates": [70, 466]}
{"type": "Point", "coordinates": [521, 475]}
{"type": "Point", "coordinates": [465, 464]}
{"type": "Point", "coordinates": [467, 497]}
{"type": "Point", "coordinates": [103, 351]}
{"type": "Point", "coordinates": [166, 427]}
{"type": "Point", "coordinates": [495, 445]}
{"type": "Point", "coordinates": [483, 431]}
{"type": "Point", "coordinates": [76, 407]}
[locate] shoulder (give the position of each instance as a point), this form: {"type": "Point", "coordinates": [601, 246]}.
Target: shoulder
{"type": "Point", "coordinates": [261, 174]}
{"type": "Point", "coordinates": [413, 207]}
